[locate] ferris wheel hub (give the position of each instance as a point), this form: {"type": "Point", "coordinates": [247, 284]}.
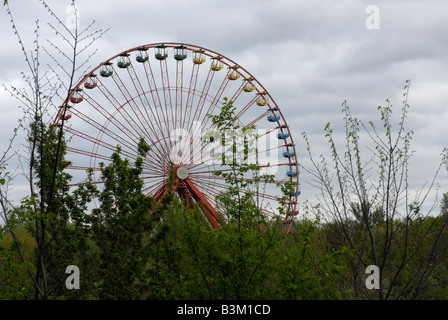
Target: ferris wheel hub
{"type": "Point", "coordinates": [182, 173]}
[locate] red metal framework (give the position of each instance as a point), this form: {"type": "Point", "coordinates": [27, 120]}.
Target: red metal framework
{"type": "Point", "coordinates": [188, 192]}
{"type": "Point", "coordinates": [166, 93]}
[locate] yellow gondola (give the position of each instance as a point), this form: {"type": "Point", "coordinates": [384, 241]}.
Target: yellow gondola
{"type": "Point", "coordinates": [197, 56]}
{"type": "Point", "coordinates": [249, 87]}
{"type": "Point", "coordinates": [262, 101]}
{"type": "Point", "coordinates": [233, 75]}
{"type": "Point", "coordinates": [216, 63]}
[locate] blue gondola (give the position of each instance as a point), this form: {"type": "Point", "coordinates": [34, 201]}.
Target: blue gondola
{"type": "Point", "coordinates": [283, 135]}
{"type": "Point", "coordinates": [291, 174]}
{"type": "Point", "coordinates": [288, 154]}
{"type": "Point", "coordinates": [273, 118]}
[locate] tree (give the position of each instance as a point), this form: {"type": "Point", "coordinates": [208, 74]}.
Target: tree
{"type": "Point", "coordinates": [370, 209]}
{"type": "Point", "coordinates": [45, 211]}
{"type": "Point", "coordinates": [444, 204]}
{"type": "Point", "coordinates": [242, 175]}
{"type": "Point", "coordinates": [119, 228]}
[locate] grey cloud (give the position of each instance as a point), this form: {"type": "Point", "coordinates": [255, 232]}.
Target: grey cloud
{"type": "Point", "coordinates": [310, 55]}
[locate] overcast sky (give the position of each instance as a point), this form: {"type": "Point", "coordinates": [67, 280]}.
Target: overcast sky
{"type": "Point", "coordinates": [309, 55]}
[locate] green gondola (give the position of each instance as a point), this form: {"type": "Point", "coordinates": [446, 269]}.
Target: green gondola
{"type": "Point", "coordinates": [180, 57]}
{"type": "Point", "coordinates": [160, 56]}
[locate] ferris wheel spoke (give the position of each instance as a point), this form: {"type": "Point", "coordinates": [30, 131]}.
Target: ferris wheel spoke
{"type": "Point", "coordinates": [245, 179]}
{"type": "Point", "coordinates": [153, 167]}
{"type": "Point", "coordinates": [97, 142]}
{"type": "Point", "coordinates": [117, 106]}
{"type": "Point", "coordinates": [136, 120]}
{"type": "Point", "coordinates": [87, 153]}
{"type": "Point", "coordinates": [246, 107]}
{"type": "Point", "coordinates": [191, 92]}
{"type": "Point", "coordinates": [85, 183]}
{"type": "Point", "coordinates": [157, 102]}
{"type": "Point", "coordinates": [207, 190]}
{"type": "Point", "coordinates": [95, 125]}
{"type": "Point", "coordinates": [181, 55]}
{"type": "Point", "coordinates": [153, 161]}
{"type": "Point", "coordinates": [211, 171]}
{"type": "Point", "coordinates": [137, 115]}
{"type": "Point", "coordinates": [166, 89]}
{"type": "Point", "coordinates": [199, 152]}
{"type": "Point", "coordinates": [149, 119]}
{"type": "Point", "coordinates": [258, 196]}
{"type": "Point", "coordinates": [89, 138]}
{"type": "Point", "coordinates": [154, 187]}
{"type": "Point", "coordinates": [216, 98]}
{"type": "Point", "coordinates": [238, 92]}
{"type": "Point", "coordinates": [253, 122]}
{"type": "Point", "coordinates": [112, 119]}
{"type": "Point", "coordinates": [230, 75]}
{"type": "Point", "coordinates": [130, 154]}
{"type": "Point", "coordinates": [203, 95]}
{"type": "Point", "coordinates": [228, 155]}
{"type": "Point", "coordinates": [224, 186]}
{"type": "Point", "coordinates": [146, 174]}
{"type": "Point", "coordinates": [80, 168]}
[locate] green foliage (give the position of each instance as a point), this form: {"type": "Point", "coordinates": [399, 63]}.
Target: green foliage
{"type": "Point", "coordinates": [129, 247]}
{"type": "Point", "coordinates": [241, 174]}
{"type": "Point", "coordinates": [366, 199]}
{"type": "Point", "coordinates": [14, 279]}
{"type": "Point", "coordinates": [119, 225]}
{"type": "Point", "coordinates": [193, 261]}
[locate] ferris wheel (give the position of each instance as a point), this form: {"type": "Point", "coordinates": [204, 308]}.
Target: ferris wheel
{"type": "Point", "coordinates": [166, 93]}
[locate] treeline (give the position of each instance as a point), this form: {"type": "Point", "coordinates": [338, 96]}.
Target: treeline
{"type": "Point", "coordinates": [130, 247]}
{"type": "Point", "coordinates": [143, 250]}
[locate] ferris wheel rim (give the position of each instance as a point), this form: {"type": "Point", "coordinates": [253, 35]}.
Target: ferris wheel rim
{"type": "Point", "coordinates": [207, 52]}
